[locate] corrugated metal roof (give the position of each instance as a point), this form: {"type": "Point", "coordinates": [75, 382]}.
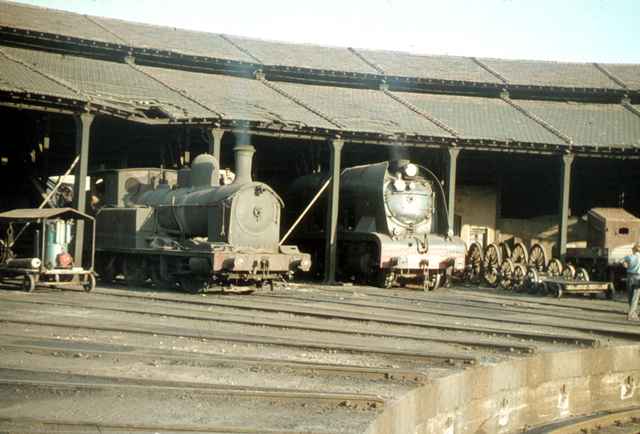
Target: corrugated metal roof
{"type": "Point", "coordinates": [482, 118]}
{"type": "Point", "coordinates": [304, 55]}
{"type": "Point", "coordinates": [446, 68]}
{"type": "Point", "coordinates": [628, 74]}
{"type": "Point", "coordinates": [364, 110]}
{"type": "Point", "coordinates": [431, 67]}
{"type": "Point", "coordinates": [115, 83]}
{"type": "Point", "coordinates": [16, 77]}
{"type": "Point", "coordinates": [172, 39]}
{"type": "Point", "coordinates": [239, 98]}
{"type": "Point", "coordinates": [26, 214]}
{"type": "Point", "coordinates": [587, 123]}
{"type": "Point", "coordinates": [52, 21]}
{"type": "Point", "coordinates": [183, 95]}
{"type": "Point", "coordinates": [542, 73]}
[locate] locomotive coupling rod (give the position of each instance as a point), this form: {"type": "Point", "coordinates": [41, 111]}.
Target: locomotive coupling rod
{"type": "Point", "coordinates": [46, 199]}
{"type": "Point", "coordinates": [306, 210]}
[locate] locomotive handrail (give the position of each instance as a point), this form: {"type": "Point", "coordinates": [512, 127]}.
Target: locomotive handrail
{"type": "Point", "coordinates": [306, 210]}
{"type": "Point", "coordinates": [444, 199]}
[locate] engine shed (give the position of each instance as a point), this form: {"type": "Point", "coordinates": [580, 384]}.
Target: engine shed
{"type": "Point", "coordinates": [522, 147]}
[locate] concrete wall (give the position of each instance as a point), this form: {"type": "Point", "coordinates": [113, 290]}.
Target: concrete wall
{"type": "Point", "coordinates": [510, 396]}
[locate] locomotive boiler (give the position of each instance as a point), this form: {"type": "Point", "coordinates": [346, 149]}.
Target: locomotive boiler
{"type": "Point", "coordinates": [389, 231]}
{"type": "Point", "coordinates": [189, 229]}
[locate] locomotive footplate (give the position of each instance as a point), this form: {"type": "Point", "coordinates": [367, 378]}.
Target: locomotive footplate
{"type": "Point", "coordinates": [260, 263]}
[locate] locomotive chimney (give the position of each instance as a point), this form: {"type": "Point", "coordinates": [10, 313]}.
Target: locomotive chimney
{"type": "Point", "coordinates": [244, 156]}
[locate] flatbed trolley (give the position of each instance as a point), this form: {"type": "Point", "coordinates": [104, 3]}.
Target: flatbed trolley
{"type": "Point", "coordinates": [559, 286]}
{"type": "Point", "coordinates": [50, 264]}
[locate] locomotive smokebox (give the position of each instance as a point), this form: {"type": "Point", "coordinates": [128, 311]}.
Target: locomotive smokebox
{"type": "Point", "coordinates": [244, 157]}
{"type": "Point", "coordinates": [396, 165]}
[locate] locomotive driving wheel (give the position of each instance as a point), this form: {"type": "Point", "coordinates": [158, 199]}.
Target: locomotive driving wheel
{"type": "Point", "coordinates": [537, 257]}
{"type": "Point", "coordinates": [432, 281]}
{"type": "Point", "coordinates": [490, 264]}
{"type": "Point", "coordinates": [582, 274]}
{"type": "Point", "coordinates": [569, 272]}
{"type": "Point", "coordinates": [505, 250]}
{"type": "Point", "coordinates": [506, 274]}
{"type": "Point", "coordinates": [519, 276]}
{"type": "Point", "coordinates": [193, 285]}
{"type": "Point", "coordinates": [554, 269]}
{"type": "Point", "coordinates": [532, 280]}
{"type": "Point", "coordinates": [28, 282]}
{"type": "Point", "coordinates": [135, 271]}
{"type": "Point", "coordinates": [386, 279]}
{"type": "Point", "coordinates": [474, 262]}
{"type": "Point", "coordinates": [519, 254]}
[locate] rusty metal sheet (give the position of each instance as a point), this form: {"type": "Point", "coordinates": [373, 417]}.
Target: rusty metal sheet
{"type": "Point", "coordinates": [181, 41]}
{"type": "Point", "coordinates": [429, 67]}
{"type": "Point", "coordinates": [627, 73]}
{"type": "Point", "coordinates": [29, 214]}
{"type": "Point", "coordinates": [304, 55]}
{"type": "Point", "coordinates": [240, 98]}
{"type": "Point", "coordinates": [364, 110]}
{"type": "Point", "coordinates": [39, 19]}
{"type": "Point", "coordinates": [545, 73]}
{"type": "Point", "coordinates": [589, 124]}
{"type": "Point", "coordinates": [482, 118]}
{"type": "Point", "coordinates": [113, 83]}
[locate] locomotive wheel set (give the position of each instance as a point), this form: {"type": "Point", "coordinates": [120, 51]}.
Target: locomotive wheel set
{"type": "Point", "coordinates": [522, 269]}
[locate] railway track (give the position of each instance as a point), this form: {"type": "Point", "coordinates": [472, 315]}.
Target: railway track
{"type": "Point", "coordinates": [388, 315]}
{"type": "Point", "coordinates": [620, 422]}
{"type": "Point", "coordinates": [203, 315]}
{"type": "Point", "coordinates": [70, 349]}
{"type": "Point", "coordinates": [312, 360]}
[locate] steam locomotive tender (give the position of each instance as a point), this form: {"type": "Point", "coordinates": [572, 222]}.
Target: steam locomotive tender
{"type": "Point", "coordinates": [185, 229]}
{"type": "Point", "coordinates": [388, 228]}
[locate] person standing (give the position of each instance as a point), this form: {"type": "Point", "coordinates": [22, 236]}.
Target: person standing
{"type": "Point", "coordinates": [632, 264]}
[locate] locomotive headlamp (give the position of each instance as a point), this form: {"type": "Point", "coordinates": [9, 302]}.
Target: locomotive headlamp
{"type": "Point", "coordinates": [411, 169]}
{"type": "Point", "coordinates": [399, 185]}
{"type": "Point", "coordinates": [412, 185]}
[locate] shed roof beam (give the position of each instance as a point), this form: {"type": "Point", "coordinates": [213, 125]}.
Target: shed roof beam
{"type": "Point", "coordinates": [490, 70]}
{"type": "Point", "coordinates": [419, 112]}
{"type": "Point", "coordinates": [504, 95]}
{"type": "Point", "coordinates": [610, 75]}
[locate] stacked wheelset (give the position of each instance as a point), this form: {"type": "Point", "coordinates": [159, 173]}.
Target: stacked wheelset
{"type": "Point", "coordinates": [517, 268]}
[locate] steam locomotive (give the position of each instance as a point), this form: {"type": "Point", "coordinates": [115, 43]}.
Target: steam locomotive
{"type": "Point", "coordinates": [388, 230]}
{"type": "Point", "coordinates": [193, 228]}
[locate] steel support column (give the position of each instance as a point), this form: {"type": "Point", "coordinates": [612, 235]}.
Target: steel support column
{"type": "Point", "coordinates": [451, 187]}
{"type": "Point", "coordinates": [565, 192]}
{"type": "Point", "coordinates": [215, 142]}
{"type": "Point", "coordinates": [331, 234]}
{"type": "Point", "coordinates": [83, 133]}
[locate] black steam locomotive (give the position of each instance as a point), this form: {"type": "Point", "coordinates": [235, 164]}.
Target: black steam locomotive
{"type": "Point", "coordinates": [388, 225]}
{"type": "Point", "coordinates": [193, 228]}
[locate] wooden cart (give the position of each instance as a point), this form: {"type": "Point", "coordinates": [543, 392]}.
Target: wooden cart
{"type": "Point", "coordinates": [50, 263]}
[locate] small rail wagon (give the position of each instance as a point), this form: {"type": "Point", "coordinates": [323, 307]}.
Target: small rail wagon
{"type": "Point", "coordinates": [50, 262]}
{"type": "Point", "coordinates": [611, 232]}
